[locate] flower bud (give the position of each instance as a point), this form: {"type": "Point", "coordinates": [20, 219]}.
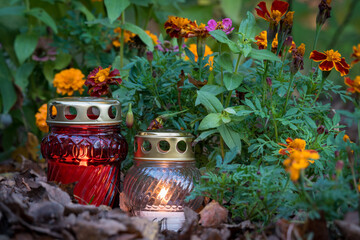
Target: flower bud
{"type": "Point", "coordinates": [339, 165]}
{"type": "Point", "coordinates": [268, 81]}
{"type": "Point", "coordinates": [337, 153]}
{"type": "Point", "coordinates": [326, 131]}
{"type": "Point", "coordinates": [320, 129]}
{"type": "Point", "coordinates": [258, 173]}
{"type": "Point", "coordinates": [262, 198]}
{"type": "Point", "coordinates": [324, 12]}
{"type": "Point", "coordinates": [288, 41]}
{"type": "Point", "coordinates": [154, 74]}
{"type": "Point", "coordinates": [149, 56]}
{"type": "Point", "coordinates": [129, 118]}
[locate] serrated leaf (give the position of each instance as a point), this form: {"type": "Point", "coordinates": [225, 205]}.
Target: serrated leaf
{"type": "Point", "coordinates": [211, 103]}
{"type": "Point", "coordinates": [263, 55]}
{"type": "Point", "coordinates": [250, 104]}
{"type": "Point", "coordinates": [232, 81]}
{"type": "Point", "coordinates": [25, 45]}
{"type": "Point", "coordinates": [291, 112]}
{"type": "Point", "coordinates": [310, 122]}
{"type": "Point", "coordinates": [141, 33]}
{"type": "Point", "coordinates": [114, 8]}
{"type": "Point", "coordinates": [190, 55]}
{"type": "Point", "coordinates": [224, 60]}
{"type": "Point", "coordinates": [43, 16]}
{"type": "Point", "coordinates": [212, 120]}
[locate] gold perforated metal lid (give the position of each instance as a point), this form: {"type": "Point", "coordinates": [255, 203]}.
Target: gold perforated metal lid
{"type": "Point", "coordinates": [83, 111]}
{"type": "Point", "coordinates": [164, 145]}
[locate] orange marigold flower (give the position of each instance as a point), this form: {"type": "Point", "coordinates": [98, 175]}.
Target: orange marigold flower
{"type": "Point", "coordinates": [261, 41]}
{"type": "Point", "coordinates": [178, 27]}
{"type": "Point", "coordinates": [197, 31]}
{"type": "Point", "coordinates": [40, 117]}
{"type": "Point", "coordinates": [297, 161]}
{"type": "Point", "coordinates": [127, 36]}
{"type": "Point", "coordinates": [208, 51]}
{"type": "Point", "coordinates": [330, 59]}
{"type": "Point", "coordinates": [291, 145]}
{"type": "Point", "coordinates": [346, 138]}
{"type": "Point", "coordinates": [354, 85]}
{"type": "Point", "coordinates": [68, 81]}
{"type": "Point", "coordinates": [278, 9]}
{"type": "Point", "coordinates": [152, 36]}
{"type": "Point", "coordinates": [356, 54]}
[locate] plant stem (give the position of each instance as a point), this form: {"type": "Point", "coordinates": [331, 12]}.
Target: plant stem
{"type": "Point", "coordinates": [321, 86]}
{"type": "Point", "coordinates": [342, 26]}
{"type": "Point", "coordinates": [122, 41]}
{"type": "Point", "coordinates": [288, 92]}
{"type": "Point", "coordinates": [274, 117]}
{"type": "Point", "coordinates": [228, 97]}
{"type": "Point", "coordinates": [264, 81]}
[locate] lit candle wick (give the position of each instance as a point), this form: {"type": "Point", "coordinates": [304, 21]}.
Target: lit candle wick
{"type": "Point", "coordinates": [163, 193]}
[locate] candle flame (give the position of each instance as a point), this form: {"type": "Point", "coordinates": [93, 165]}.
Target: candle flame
{"type": "Point", "coordinates": [163, 193]}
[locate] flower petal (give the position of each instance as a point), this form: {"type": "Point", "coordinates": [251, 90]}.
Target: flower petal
{"type": "Point", "coordinates": [326, 65]}
{"type": "Point", "coordinates": [262, 11]}
{"type": "Point", "coordinates": [279, 6]}
{"type": "Point", "coordinates": [317, 56]}
{"type": "Point", "coordinates": [341, 69]}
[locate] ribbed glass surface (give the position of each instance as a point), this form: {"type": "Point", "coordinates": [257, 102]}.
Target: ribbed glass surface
{"type": "Point", "coordinates": [88, 155]}
{"type": "Point", "coordinates": [159, 186]}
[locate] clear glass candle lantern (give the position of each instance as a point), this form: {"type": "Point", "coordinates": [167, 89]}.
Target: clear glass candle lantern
{"type": "Point", "coordinates": [85, 146]}
{"type": "Point", "coordinates": [162, 177]}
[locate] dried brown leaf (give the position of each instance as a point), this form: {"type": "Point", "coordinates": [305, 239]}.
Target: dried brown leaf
{"type": "Point", "coordinates": [351, 231]}
{"type": "Point", "coordinates": [213, 215]}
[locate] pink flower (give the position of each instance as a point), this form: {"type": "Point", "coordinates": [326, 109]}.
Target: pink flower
{"type": "Point", "coordinates": [224, 25]}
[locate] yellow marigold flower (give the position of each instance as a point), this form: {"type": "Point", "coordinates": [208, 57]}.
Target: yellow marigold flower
{"type": "Point", "coordinates": [153, 36]}
{"type": "Point", "coordinates": [297, 161]}
{"type": "Point", "coordinates": [356, 54]}
{"type": "Point", "coordinates": [40, 117]}
{"type": "Point", "coordinates": [261, 41]}
{"type": "Point", "coordinates": [68, 81]}
{"type": "Point", "coordinates": [354, 85]}
{"type": "Point", "coordinates": [208, 51]}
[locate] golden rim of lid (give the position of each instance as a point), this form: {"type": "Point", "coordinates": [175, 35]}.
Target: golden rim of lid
{"type": "Point", "coordinates": [164, 145]}
{"type": "Point", "coordinates": [83, 111]}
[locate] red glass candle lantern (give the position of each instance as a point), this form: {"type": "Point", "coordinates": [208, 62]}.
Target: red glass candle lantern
{"type": "Point", "coordinates": [85, 146]}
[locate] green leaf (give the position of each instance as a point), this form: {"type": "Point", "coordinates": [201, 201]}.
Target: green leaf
{"type": "Point", "coordinates": [263, 55]}
{"type": "Point", "coordinates": [212, 120]}
{"type": "Point", "coordinates": [246, 49]}
{"type": "Point", "coordinates": [204, 135]}
{"type": "Point", "coordinates": [220, 36]}
{"type": "Point", "coordinates": [224, 60]}
{"type": "Point", "coordinates": [7, 90]}
{"type": "Point", "coordinates": [234, 47]}
{"type": "Point", "coordinates": [211, 103]}
{"type": "Point", "coordinates": [114, 8]}
{"type": "Point", "coordinates": [310, 122]}
{"type": "Point", "coordinates": [22, 75]}
{"type": "Point", "coordinates": [7, 11]}
{"type": "Point", "coordinates": [43, 16]}
{"type": "Point", "coordinates": [62, 61]}
{"type": "Point", "coordinates": [190, 55]}
{"type": "Point", "coordinates": [231, 138]}
{"type": "Point", "coordinates": [48, 71]}
{"type": "Point", "coordinates": [232, 80]}
{"type": "Point", "coordinates": [81, 7]}
{"type": "Point", "coordinates": [24, 46]}
{"type": "Point", "coordinates": [141, 33]}
{"type": "Point", "coordinates": [291, 112]}
{"type": "Point", "coordinates": [247, 26]}
{"type": "Point", "coordinates": [225, 118]}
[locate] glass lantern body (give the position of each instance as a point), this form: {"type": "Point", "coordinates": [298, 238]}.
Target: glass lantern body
{"type": "Point", "coordinates": [88, 155]}
{"type": "Point", "coordinates": [157, 190]}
